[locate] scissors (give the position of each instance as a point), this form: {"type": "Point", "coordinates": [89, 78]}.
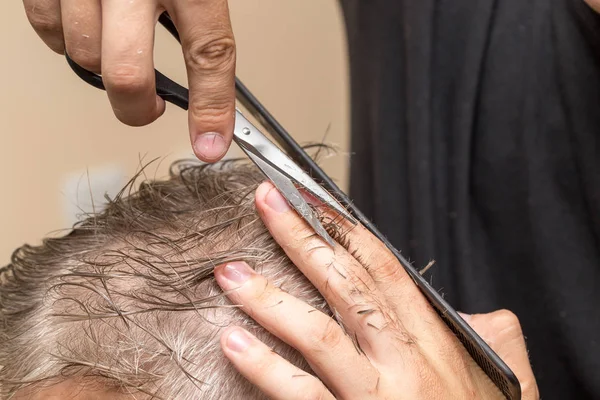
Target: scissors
{"type": "Point", "coordinates": [276, 165]}
{"type": "Point", "coordinates": [285, 174]}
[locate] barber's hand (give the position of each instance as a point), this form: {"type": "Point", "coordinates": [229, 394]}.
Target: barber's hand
{"type": "Point", "coordinates": [394, 345]}
{"type": "Point", "coordinates": [116, 38]}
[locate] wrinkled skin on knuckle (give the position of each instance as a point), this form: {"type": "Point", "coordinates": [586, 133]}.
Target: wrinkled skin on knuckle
{"type": "Point", "coordinates": [321, 339]}
{"type": "Point", "coordinates": [214, 53]}
{"type": "Point", "coordinates": [40, 14]}
{"type": "Point", "coordinates": [127, 80]}
{"type": "Point", "coordinates": [389, 272]}
{"type": "Point", "coordinates": [307, 243]}
{"type": "Point", "coordinates": [210, 110]}
{"type": "Point", "coordinates": [43, 24]}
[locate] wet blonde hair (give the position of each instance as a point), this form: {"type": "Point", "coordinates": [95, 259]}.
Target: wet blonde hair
{"type": "Point", "coordinates": [127, 300]}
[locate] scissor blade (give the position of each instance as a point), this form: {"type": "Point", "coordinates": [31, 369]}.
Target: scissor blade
{"type": "Point", "coordinates": [307, 183]}
{"type": "Point", "coordinates": [252, 140]}
{"type": "Point", "coordinates": [293, 196]}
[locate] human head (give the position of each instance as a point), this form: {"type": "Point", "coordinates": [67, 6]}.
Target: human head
{"type": "Point", "coordinates": [126, 303]}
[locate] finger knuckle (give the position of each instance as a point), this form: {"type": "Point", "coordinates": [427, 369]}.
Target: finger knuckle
{"type": "Point", "coordinates": [325, 338]}
{"type": "Point", "coordinates": [506, 320]}
{"type": "Point", "coordinates": [211, 111]}
{"type": "Point", "coordinates": [389, 270]}
{"type": "Point", "coordinates": [86, 58]}
{"type": "Point", "coordinates": [311, 245]}
{"type": "Point", "coordinates": [319, 255]}
{"type": "Point", "coordinates": [43, 23]}
{"type": "Point", "coordinates": [127, 79]}
{"type": "Point", "coordinates": [215, 52]}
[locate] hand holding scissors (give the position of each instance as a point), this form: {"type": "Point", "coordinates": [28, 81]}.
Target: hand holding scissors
{"type": "Point", "coordinates": [117, 38]}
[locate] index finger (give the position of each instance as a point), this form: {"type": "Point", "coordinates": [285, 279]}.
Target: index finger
{"type": "Point", "coordinates": [366, 267]}
{"type": "Point", "coordinates": [209, 52]}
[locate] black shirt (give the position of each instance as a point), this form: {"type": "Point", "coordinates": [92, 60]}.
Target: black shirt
{"type": "Point", "coordinates": [476, 142]}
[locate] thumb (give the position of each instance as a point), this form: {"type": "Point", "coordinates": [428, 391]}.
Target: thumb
{"type": "Point", "coordinates": [502, 332]}
{"type": "Point", "coordinates": [209, 52]}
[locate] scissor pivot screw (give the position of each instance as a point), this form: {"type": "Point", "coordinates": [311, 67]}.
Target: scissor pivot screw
{"type": "Point", "coordinates": [246, 131]}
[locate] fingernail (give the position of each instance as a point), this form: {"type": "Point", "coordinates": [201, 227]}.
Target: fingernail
{"type": "Point", "coordinates": [239, 340]}
{"type": "Point", "coordinates": [276, 201]}
{"type": "Point", "coordinates": [210, 146]}
{"type": "Point", "coordinates": [237, 272]}
{"type": "Point", "coordinates": [466, 317]}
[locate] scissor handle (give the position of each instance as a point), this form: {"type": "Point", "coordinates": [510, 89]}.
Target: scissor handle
{"type": "Point", "coordinates": [166, 88]}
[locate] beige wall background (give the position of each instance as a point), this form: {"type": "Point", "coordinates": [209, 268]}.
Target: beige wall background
{"type": "Point", "coordinates": [56, 131]}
